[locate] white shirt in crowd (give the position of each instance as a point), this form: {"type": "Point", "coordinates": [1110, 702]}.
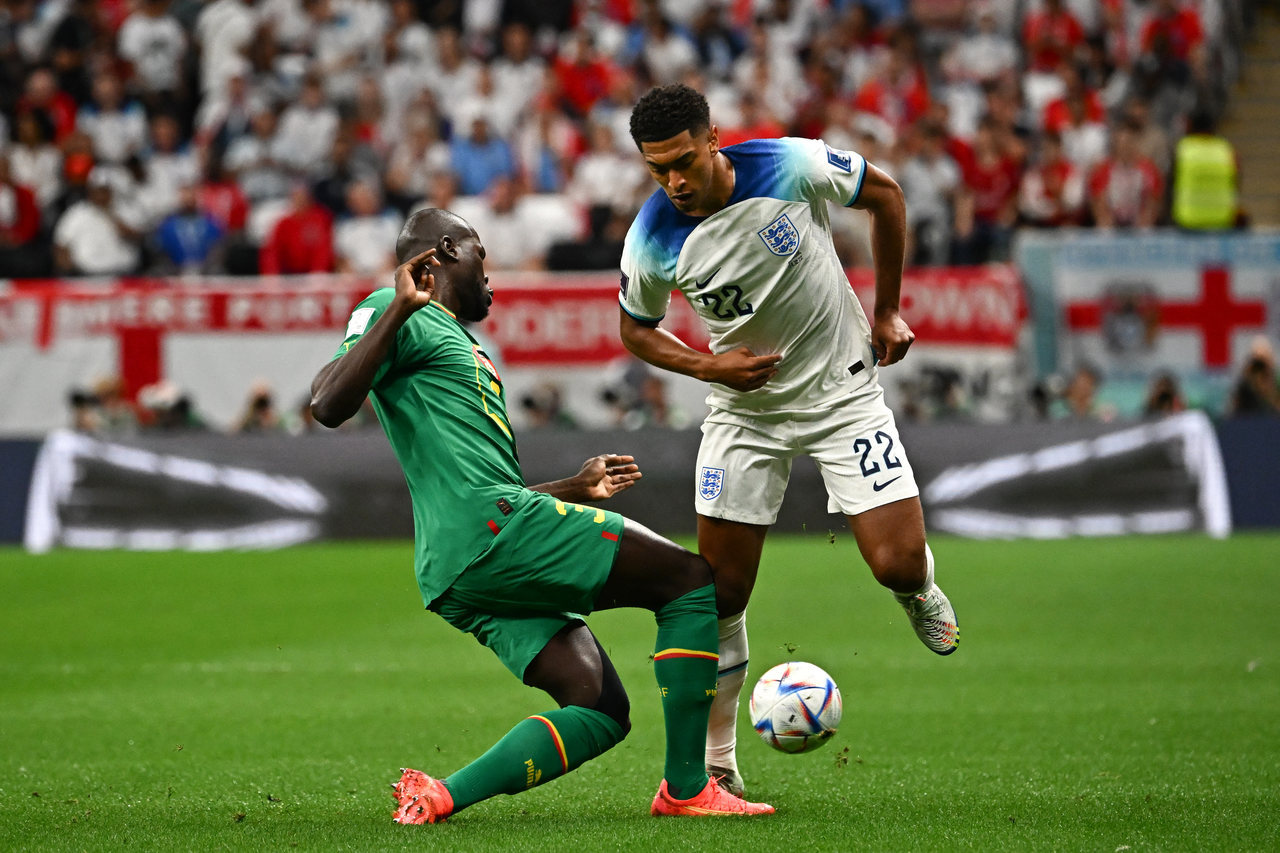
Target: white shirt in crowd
{"type": "Point", "coordinates": [156, 47]}
{"type": "Point", "coordinates": [117, 134]}
{"type": "Point", "coordinates": [223, 30]}
{"type": "Point", "coordinates": [305, 138]}
{"type": "Point", "coordinates": [363, 241]}
{"type": "Point", "coordinates": [94, 241]}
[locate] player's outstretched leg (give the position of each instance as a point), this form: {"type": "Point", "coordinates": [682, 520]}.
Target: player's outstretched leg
{"type": "Point", "coordinates": [659, 575]}
{"type": "Point", "coordinates": [891, 539]}
{"type": "Point", "coordinates": [931, 613]}
{"type": "Point", "coordinates": [685, 664]}
{"type": "Point", "coordinates": [577, 673]}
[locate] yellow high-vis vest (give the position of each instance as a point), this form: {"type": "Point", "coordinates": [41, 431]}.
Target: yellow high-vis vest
{"type": "Point", "coordinates": [1204, 183]}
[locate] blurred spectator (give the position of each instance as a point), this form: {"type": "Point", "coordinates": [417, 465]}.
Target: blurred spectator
{"type": "Point", "coordinates": [84, 411]}
{"type": "Point", "coordinates": [517, 235]}
{"type": "Point", "coordinates": [583, 75]}
{"type": "Point", "coordinates": [1153, 140]}
{"type": "Point", "coordinates": [307, 128]}
{"type": "Point", "coordinates": [638, 398]}
{"type": "Point", "coordinates": [1256, 391]}
{"type": "Point", "coordinates": [165, 407]}
{"type": "Point", "coordinates": [1080, 398]}
{"type": "Point", "coordinates": [223, 31]}
{"type": "Point", "coordinates": [364, 239]}
{"type": "Point", "coordinates": [754, 122]}
{"type": "Point", "coordinates": [605, 180]}
{"type": "Point", "coordinates": [415, 157]}
{"type": "Point", "coordinates": [227, 115]}
{"type": "Point", "coordinates": [452, 77]}
{"type": "Point", "coordinates": [929, 180]}
{"type": "Point", "coordinates": [42, 95]}
{"type": "Point", "coordinates": [1126, 190]}
{"type": "Point", "coordinates": [1163, 397]}
{"type": "Point", "coordinates": [479, 158]}
{"type": "Point", "coordinates": [544, 407]}
{"type": "Point", "coordinates": [1050, 36]}
{"type": "Point", "coordinates": [168, 166]}
{"type": "Point", "coordinates": [898, 91]}
{"type": "Point", "coordinates": [663, 52]}
{"type": "Point", "coordinates": [986, 206]}
{"type": "Point", "coordinates": [71, 44]}
{"type": "Point", "coordinates": [222, 198]}
{"type": "Point", "coordinates": [92, 237]}
{"type": "Point", "coordinates": [1052, 190]}
{"type": "Point", "coordinates": [1170, 37]}
{"type": "Point", "coordinates": [352, 160]}
{"type": "Point", "coordinates": [716, 42]}
{"type": "Point", "coordinates": [118, 127]}
{"type": "Point", "coordinates": [302, 241]}
{"type": "Point", "coordinates": [518, 71]}
{"type": "Point", "coordinates": [22, 253]}
{"type": "Point", "coordinates": [1077, 104]}
{"type": "Point", "coordinates": [116, 415]}
{"type": "Point", "coordinates": [154, 43]}
{"type": "Point", "coordinates": [546, 146]}
{"type": "Point", "coordinates": [258, 159]}
{"type": "Point", "coordinates": [189, 240]}
{"type": "Point", "coordinates": [259, 415]}
{"type": "Point", "coordinates": [33, 159]}
{"type": "Point", "coordinates": [1205, 178]}
{"type": "Point", "coordinates": [984, 52]}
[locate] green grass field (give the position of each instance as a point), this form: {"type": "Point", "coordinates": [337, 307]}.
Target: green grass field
{"type": "Point", "coordinates": [1109, 695]}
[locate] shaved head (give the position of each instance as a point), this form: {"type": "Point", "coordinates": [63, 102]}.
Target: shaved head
{"type": "Point", "coordinates": [424, 229]}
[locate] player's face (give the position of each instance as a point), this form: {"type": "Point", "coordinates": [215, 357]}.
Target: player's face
{"type": "Point", "coordinates": [684, 166]}
{"type": "Point", "coordinates": [473, 291]}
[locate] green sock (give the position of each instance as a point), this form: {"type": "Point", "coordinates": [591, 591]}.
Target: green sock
{"type": "Point", "coordinates": [537, 750]}
{"type": "Point", "coordinates": [685, 662]}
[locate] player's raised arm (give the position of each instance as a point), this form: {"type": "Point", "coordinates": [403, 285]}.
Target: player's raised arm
{"type": "Point", "coordinates": [740, 369]}
{"type": "Point", "coordinates": [882, 198]}
{"type": "Point", "coordinates": [342, 385]}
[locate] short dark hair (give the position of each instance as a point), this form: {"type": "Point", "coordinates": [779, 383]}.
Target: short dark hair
{"type": "Point", "coordinates": [667, 111]}
{"type": "Point", "coordinates": [423, 230]}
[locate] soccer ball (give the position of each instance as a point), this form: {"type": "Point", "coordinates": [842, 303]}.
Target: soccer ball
{"type": "Point", "coordinates": [796, 707]}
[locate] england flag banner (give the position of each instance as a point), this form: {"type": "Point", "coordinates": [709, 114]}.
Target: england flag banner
{"type": "Point", "coordinates": [1164, 302]}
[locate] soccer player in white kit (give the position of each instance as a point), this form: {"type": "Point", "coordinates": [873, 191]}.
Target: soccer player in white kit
{"type": "Point", "coordinates": [743, 232]}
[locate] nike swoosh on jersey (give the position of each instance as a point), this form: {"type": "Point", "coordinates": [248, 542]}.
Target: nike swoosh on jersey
{"type": "Point", "coordinates": [701, 284]}
{"type": "Point", "coordinates": [878, 486]}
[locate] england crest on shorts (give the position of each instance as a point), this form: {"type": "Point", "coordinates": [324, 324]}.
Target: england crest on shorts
{"type": "Point", "coordinates": [781, 236]}
{"type": "Point", "coordinates": [710, 482]}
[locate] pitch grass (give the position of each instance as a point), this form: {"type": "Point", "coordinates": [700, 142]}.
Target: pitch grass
{"type": "Point", "coordinates": [1109, 695]}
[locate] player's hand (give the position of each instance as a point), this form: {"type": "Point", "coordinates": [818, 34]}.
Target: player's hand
{"type": "Point", "coordinates": [890, 338]}
{"type": "Point", "coordinates": [605, 475]}
{"type": "Point", "coordinates": [415, 285]}
{"type": "Point", "coordinates": [743, 370]}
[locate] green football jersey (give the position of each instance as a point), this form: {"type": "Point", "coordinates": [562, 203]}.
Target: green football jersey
{"type": "Point", "coordinates": [441, 403]}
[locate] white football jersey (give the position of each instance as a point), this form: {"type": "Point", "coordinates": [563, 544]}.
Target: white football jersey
{"type": "Point", "coordinates": [762, 273]}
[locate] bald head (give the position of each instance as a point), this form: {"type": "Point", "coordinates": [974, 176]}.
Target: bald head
{"type": "Point", "coordinates": [424, 229]}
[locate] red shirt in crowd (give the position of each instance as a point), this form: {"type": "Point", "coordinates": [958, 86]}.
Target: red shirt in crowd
{"type": "Point", "coordinates": [899, 102]}
{"type": "Point", "coordinates": [583, 83]}
{"type": "Point", "coordinates": [1057, 115]}
{"type": "Point", "coordinates": [61, 112]}
{"type": "Point", "coordinates": [762, 129]}
{"type": "Point", "coordinates": [301, 242]}
{"type": "Point", "coordinates": [994, 184]}
{"type": "Point", "coordinates": [224, 201]}
{"type": "Point", "coordinates": [1052, 194]}
{"type": "Point", "coordinates": [1181, 30]}
{"type": "Point", "coordinates": [1051, 38]}
{"type": "Point", "coordinates": [1126, 194]}
{"type": "Point", "coordinates": [19, 216]}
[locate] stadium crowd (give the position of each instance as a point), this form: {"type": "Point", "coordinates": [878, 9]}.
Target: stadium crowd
{"type": "Point", "coordinates": [292, 136]}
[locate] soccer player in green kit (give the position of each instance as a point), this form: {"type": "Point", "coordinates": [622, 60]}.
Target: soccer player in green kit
{"type": "Point", "coordinates": [513, 565]}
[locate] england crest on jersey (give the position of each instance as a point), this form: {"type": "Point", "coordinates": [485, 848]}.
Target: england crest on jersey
{"type": "Point", "coordinates": [710, 481]}
{"type": "Point", "coordinates": [781, 236]}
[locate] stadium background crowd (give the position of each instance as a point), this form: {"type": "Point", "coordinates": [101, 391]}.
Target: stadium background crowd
{"type": "Point", "coordinates": [291, 136]}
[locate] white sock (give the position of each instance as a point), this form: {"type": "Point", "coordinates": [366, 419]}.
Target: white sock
{"type": "Point", "coordinates": [722, 727]}
{"type": "Point", "coordinates": [928, 575]}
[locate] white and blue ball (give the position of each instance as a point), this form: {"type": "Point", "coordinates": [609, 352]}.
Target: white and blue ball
{"type": "Point", "coordinates": [796, 707]}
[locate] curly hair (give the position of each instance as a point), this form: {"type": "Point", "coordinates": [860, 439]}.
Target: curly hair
{"type": "Point", "coordinates": [667, 111]}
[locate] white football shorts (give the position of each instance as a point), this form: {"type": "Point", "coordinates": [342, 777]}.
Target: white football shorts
{"type": "Point", "coordinates": [744, 461]}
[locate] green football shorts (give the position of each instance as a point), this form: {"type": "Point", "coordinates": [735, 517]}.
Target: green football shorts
{"type": "Point", "coordinates": [548, 561]}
